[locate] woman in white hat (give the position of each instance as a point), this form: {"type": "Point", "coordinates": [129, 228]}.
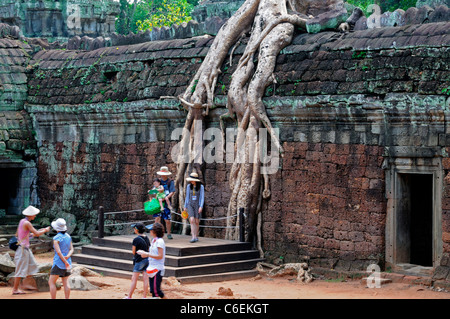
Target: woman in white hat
{"type": "Point", "coordinates": [26, 265]}
{"type": "Point", "coordinates": [62, 262]}
{"type": "Point", "coordinates": [195, 198]}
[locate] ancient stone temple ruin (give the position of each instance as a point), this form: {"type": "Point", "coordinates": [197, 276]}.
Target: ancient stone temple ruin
{"type": "Point", "coordinates": [362, 118]}
{"type": "Point", "coordinates": [59, 20]}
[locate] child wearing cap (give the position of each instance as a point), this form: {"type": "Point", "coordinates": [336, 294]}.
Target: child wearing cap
{"type": "Point", "coordinates": [62, 263]}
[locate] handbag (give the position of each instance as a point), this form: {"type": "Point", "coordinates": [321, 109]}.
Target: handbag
{"type": "Point", "coordinates": [152, 207]}
{"type": "Point", "coordinates": [13, 243]}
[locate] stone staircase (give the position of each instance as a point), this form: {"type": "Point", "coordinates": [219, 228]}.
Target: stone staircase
{"type": "Point", "coordinates": [207, 260]}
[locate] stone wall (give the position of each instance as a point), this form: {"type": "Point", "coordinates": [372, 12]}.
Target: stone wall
{"type": "Point", "coordinates": [59, 20]}
{"type": "Point", "coordinates": [443, 269]}
{"type": "Point", "coordinates": [18, 148]}
{"type": "Point", "coordinates": [328, 206]}
{"type": "Point", "coordinates": [350, 107]}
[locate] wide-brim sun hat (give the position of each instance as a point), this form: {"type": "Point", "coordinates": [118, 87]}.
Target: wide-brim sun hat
{"type": "Point", "coordinates": [193, 178]}
{"type": "Point", "coordinates": [164, 170]}
{"type": "Point", "coordinates": [30, 211]}
{"type": "Point", "coordinates": [59, 225]}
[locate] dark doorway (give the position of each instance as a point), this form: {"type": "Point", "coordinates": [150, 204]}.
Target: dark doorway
{"type": "Point", "coordinates": [9, 185]}
{"type": "Point", "coordinates": [415, 220]}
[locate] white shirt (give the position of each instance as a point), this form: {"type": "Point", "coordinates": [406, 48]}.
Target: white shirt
{"type": "Point", "coordinates": [157, 263]}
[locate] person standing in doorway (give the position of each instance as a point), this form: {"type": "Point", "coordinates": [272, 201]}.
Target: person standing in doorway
{"type": "Point", "coordinates": [26, 265]}
{"type": "Point", "coordinates": [169, 190]}
{"type": "Point", "coordinates": [62, 262]}
{"type": "Point", "coordinates": [195, 198]}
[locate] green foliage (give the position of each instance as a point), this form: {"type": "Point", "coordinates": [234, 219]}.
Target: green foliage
{"type": "Point", "coordinates": [168, 13]}
{"type": "Point", "coordinates": [385, 5]}
{"type": "Point", "coordinates": [362, 4]}
{"type": "Point", "coordinates": [123, 20]}
{"type": "Point", "coordinates": [359, 55]}
{"type": "Point", "coordinates": [392, 5]}
{"type": "Point", "coordinates": [140, 15]}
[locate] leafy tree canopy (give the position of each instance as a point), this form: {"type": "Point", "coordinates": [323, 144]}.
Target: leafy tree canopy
{"type": "Point", "coordinates": [169, 12]}
{"type": "Point", "coordinates": [140, 15]}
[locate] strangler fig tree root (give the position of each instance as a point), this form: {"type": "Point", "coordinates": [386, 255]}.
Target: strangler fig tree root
{"type": "Point", "coordinates": [271, 24]}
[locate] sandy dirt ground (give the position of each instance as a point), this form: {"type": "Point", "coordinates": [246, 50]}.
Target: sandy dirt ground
{"type": "Point", "coordinates": [264, 288]}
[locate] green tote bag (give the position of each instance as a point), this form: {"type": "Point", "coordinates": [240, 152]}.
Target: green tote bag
{"type": "Point", "coordinates": [152, 207]}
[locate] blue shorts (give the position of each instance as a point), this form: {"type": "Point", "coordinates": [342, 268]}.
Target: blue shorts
{"type": "Point", "coordinates": [140, 266]}
{"type": "Point", "coordinates": [165, 214]}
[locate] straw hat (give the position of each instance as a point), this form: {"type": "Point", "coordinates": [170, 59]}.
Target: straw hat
{"type": "Point", "coordinates": [164, 171]}
{"type": "Point", "coordinates": [59, 225]}
{"type": "Point", "coordinates": [30, 211]}
{"type": "Point", "coordinates": [193, 178]}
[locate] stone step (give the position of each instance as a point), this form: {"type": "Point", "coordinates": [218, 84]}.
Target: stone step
{"type": "Point", "coordinates": [6, 237]}
{"type": "Point", "coordinates": [176, 261]}
{"type": "Point", "coordinates": [173, 248]}
{"type": "Point", "coordinates": [8, 229]}
{"type": "Point", "coordinates": [413, 270]}
{"type": "Point", "coordinates": [212, 258]}
{"type": "Point", "coordinates": [213, 268]}
{"type": "Point", "coordinates": [104, 271]}
{"type": "Point", "coordinates": [127, 265]}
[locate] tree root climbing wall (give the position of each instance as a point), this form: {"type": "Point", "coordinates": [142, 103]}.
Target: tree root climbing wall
{"type": "Point", "coordinates": [269, 26]}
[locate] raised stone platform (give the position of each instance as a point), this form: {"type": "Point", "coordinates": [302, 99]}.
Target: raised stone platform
{"type": "Point", "coordinates": [209, 259]}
